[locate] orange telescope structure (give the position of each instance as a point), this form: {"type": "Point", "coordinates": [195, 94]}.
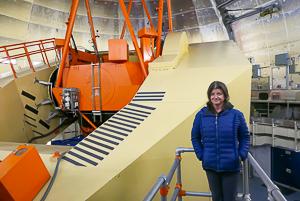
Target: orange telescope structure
{"type": "Point", "coordinates": [93, 86]}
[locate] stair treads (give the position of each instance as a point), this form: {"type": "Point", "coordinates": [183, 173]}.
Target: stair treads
{"type": "Point", "coordinates": [28, 95]}
{"type": "Point", "coordinates": [131, 109]}
{"type": "Point", "coordinates": [99, 143]}
{"type": "Point", "coordinates": [135, 118]}
{"type": "Point", "coordinates": [120, 123]}
{"type": "Point", "coordinates": [146, 99]}
{"type": "Point", "coordinates": [31, 109]}
{"type": "Point", "coordinates": [93, 148]}
{"type": "Point", "coordinates": [30, 124]}
{"type": "Point", "coordinates": [149, 96]}
{"type": "Point", "coordinates": [149, 92]}
{"type": "Point", "coordinates": [88, 153]}
{"type": "Point", "coordinates": [72, 161]}
{"type": "Point", "coordinates": [114, 131]}
{"type": "Point", "coordinates": [126, 120]}
{"type": "Point", "coordinates": [103, 139]}
{"type": "Point", "coordinates": [29, 117]}
{"type": "Point", "coordinates": [34, 131]}
{"type": "Point", "coordinates": [43, 123]}
{"type": "Point", "coordinates": [82, 158]}
{"type": "Point", "coordinates": [133, 113]}
{"type": "Point", "coordinates": [142, 106]}
{"type": "Point", "coordinates": [108, 135]}
{"type": "Point", "coordinates": [117, 127]}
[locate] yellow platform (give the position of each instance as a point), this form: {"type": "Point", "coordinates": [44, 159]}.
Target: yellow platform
{"type": "Point", "coordinates": [156, 121]}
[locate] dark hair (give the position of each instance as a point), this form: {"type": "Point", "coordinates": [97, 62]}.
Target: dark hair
{"type": "Point", "coordinates": [217, 85]}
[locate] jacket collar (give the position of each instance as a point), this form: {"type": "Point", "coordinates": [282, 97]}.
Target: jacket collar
{"type": "Point", "coordinates": [211, 111]}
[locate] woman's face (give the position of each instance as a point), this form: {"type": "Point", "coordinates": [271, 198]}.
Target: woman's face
{"type": "Point", "coordinates": [217, 97]}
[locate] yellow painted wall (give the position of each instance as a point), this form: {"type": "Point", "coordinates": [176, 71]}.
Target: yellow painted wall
{"type": "Point", "coordinates": [12, 106]}
{"type": "Point", "coordinates": [12, 127]}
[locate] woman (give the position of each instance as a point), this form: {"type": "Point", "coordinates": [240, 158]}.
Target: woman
{"type": "Point", "coordinates": [220, 139]}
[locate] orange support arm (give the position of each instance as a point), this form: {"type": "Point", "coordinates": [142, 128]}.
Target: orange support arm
{"type": "Point", "coordinates": [147, 13]}
{"type": "Point", "coordinates": [159, 27]}
{"type": "Point", "coordinates": [135, 43]}
{"type": "Point", "coordinates": [170, 15]}
{"type": "Point", "coordinates": [70, 26]}
{"type": "Point", "coordinates": [89, 121]}
{"type": "Point", "coordinates": [88, 10]}
{"type": "Point", "coordinates": [124, 25]}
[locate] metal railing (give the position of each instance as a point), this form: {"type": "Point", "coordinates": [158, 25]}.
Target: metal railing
{"type": "Point", "coordinates": [27, 49]}
{"type": "Point", "coordinates": [163, 182]}
{"type": "Point", "coordinates": [274, 124]}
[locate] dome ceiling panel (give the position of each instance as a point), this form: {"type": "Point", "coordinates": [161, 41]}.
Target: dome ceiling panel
{"type": "Point", "coordinates": [44, 18]}
{"type": "Point", "coordinates": [48, 17]}
{"type": "Point", "coordinates": [8, 8]}
{"type": "Point", "coordinates": [111, 26]}
{"type": "Point", "coordinates": [207, 16]}
{"type": "Point", "coordinates": [178, 6]}
{"type": "Point", "coordinates": [213, 32]}
{"type": "Point", "coordinates": [202, 4]}
{"type": "Point", "coordinates": [185, 20]}
{"type": "Point", "coordinates": [263, 37]}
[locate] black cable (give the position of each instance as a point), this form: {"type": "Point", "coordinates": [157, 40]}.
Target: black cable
{"type": "Point", "coordinates": [67, 121]}
{"type": "Point", "coordinates": [53, 177]}
{"type": "Point", "coordinates": [73, 40]}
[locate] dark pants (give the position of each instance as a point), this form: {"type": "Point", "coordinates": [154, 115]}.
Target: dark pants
{"type": "Point", "coordinates": [223, 185]}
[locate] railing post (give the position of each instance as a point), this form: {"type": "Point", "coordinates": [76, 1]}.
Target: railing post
{"type": "Point", "coordinates": [56, 50]}
{"type": "Point", "coordinates": [246, 192]}
{"type": "Point", "coordinates": [164, 190]}
{"type": "Point", "coordinates": [253, 133]}
{"type": "Point", "coordinates": [45, 54]}
{"type": "Point", "coordinates": [160, 181]}
{"type": "Point", "coordinates": [273, 134]}
{"type": "Point", "coordinates": [296, 135]}
{"type": "Point", "coordinates": [11, 65]}
{"type": "Point", "coordinates": [28, 58]}
{"type": "Point", "coordinates": [42, 53]}
{"type": "Point", "coordinates": [179, 181]}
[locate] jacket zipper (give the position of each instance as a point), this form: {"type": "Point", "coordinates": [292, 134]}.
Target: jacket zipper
{"type": "Point", "coordinates": [217, 137]}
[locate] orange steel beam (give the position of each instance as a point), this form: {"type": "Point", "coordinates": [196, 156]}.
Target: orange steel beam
{"type": "Point", "coordinates": [135, 43]}
{"type": "Point", "coordinates": [28, 58]}
{"type": "Point", "coordinates": [159, 27]}
{"type": "Point", "coordinates": [89, 121]}
{"type": "Point", "coordinates": [11, 65]}
{"type": "Point", "coordinates": [170, 15]}
{"type": "Point", "coordinates": [124, 25]}
{"type": "Point", "coordinates": [148, 14]}
{"type": "Point", "coordinates": [42, 54]}
{"type": "Point", "coordinates": [45, 54]}
{"type": "Point", "coordinates": [70, 26]}
{"type": "Point", "coordinates": [56, 51]}
{"type": "Point", "coordinates": [90, 19]}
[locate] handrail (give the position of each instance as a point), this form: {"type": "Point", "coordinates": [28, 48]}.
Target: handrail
{"type": "Point", "coordinates": [273, 190]}
{"type": "Point", "coordinates": [37, 47]}
{"type": "Point", "coordinates": [163, 182]}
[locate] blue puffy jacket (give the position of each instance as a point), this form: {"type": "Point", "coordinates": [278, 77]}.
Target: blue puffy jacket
{"type": "Point", "coordinates": [220, 140]}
